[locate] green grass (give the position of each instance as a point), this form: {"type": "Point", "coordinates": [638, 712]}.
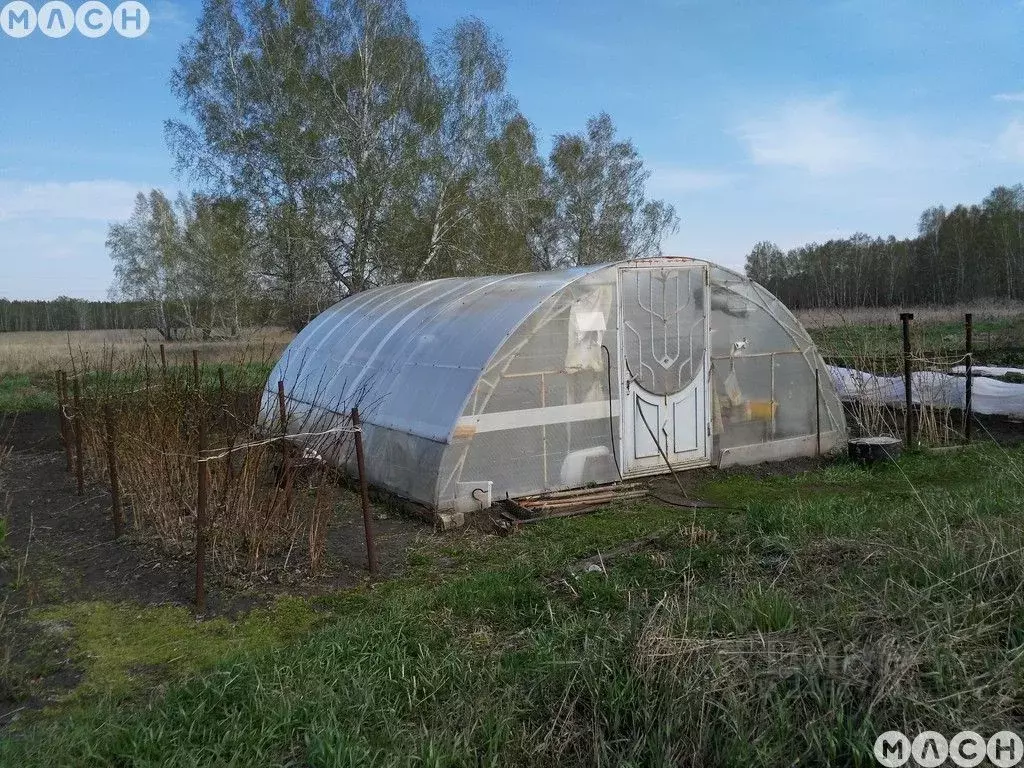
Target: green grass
{"type": "Point", "coordinates": [996, 342]}
{"type": "Point", "coordinates": [26, 393]}
{"type": "Point", "coordinates": [826, 608]}
{"type": "Point", "coordinates": [124, 646]}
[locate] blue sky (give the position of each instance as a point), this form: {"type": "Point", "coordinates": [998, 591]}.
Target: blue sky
{"type": "Point", "coordinates": [785, 121]}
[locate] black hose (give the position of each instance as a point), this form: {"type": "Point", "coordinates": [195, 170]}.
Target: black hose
{"type": "Point", "coordinates": [611, 428]}
{"type": "Point", "coordinates": [692, 504]}
{"type": "Point", "coordinates": [657, 442]}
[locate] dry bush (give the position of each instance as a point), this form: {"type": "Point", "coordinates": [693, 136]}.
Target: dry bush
{"type": "Point", "coordinates": [269, 508]}
{"type": "Point", "coordinates": [34, 352]}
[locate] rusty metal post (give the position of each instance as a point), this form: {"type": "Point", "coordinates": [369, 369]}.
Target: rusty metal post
{"type": "Point", "coordinates": [115, 489]}
{"type": "Point", "coordinates": [79, 466]}
{"type": "Point", "coordinates": [282, 406]}
{"type": "Point", "coordinates": [202, 497]}
{"type": "Point", "coordinates": [364, 493]}
{"type": "Point", "coordinates": [908, 416]}
{"type": "Point", "coordinates": [163, 362]}
{"type": "Point", "coordinates": [969, 369]}
{"type": "Point", "coordinates": [817, 409]}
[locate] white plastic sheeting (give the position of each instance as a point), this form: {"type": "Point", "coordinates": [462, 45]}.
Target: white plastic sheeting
{"type": "Point", "coordinates": [987, 370]}
{"type": "Point", "coordinates": [930, 388]}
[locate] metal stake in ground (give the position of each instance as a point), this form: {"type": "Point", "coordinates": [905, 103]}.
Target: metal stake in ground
{"type": "Point", "coordinates": [202, 495]}
{"type": "Point", "coordinates": [371, 549]}
{"type": "Point", "coordinates": [969, 370]}
{"type": "Point", "coordinates": [68, 433]}
{"type": "Point", "coordinates": [77, 423]}
{"type": "Point", "coordinates": [115, 490]}
{"type": "Point", "coordinates": [908, 416]}
{"type": "Point", "coordinates": [286, 478]}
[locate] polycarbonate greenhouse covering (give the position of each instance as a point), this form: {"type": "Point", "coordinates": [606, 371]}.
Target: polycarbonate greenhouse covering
{"type": "Point", "coordinates": [471, 389]}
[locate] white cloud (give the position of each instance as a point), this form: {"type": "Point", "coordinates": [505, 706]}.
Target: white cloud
{"type": "Point", "coordinates": [1018, 96]}
{"type": "Point", "coordinates": [100, 200]}
{"type": "Point", "coordinates": [63, 257]}
{"type": "Point", "coordinates": [823, 138]}
{"type": "Point", "coordinates": [166, 11]}
{"type": "Point", "coordinates": [668, 179]}
{"type": "Point", "coordinates": [1011, 141]}
{"type": "Point", "coordinates": [815, 135]}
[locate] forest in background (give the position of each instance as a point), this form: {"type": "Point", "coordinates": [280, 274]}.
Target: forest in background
{"type": "Point", "coordinates": [965, 254]}
{"type": "Point", "coordinates": [67, 314]}
{"type": "Point", "coordinates": [70, 314]}
{"type": "Point", "coordinates": [961, 255]}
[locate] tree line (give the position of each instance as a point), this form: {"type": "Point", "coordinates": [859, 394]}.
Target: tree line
{"type": "Point", "coordinates": [333, 149]}
{"type": "Point", "coordinates": [969, 252]}
{"type": "Point", "coordinates": [68, 314]}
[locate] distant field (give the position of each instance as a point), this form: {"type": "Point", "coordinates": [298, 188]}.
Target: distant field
{"type": "Point", "coordinates": [954, 313]}
{"type": "Point", "coordinates": [36, 352]}
{"type": "Point", "coordinates": [863, 338]}
{"type": "Point", "coordinates": [28, 360]}
{"type": "Point", "coordinates": [872, 339]}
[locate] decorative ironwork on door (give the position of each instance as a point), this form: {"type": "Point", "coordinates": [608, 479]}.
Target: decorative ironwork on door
{"type": "Point", "coordinates": [663, 327]}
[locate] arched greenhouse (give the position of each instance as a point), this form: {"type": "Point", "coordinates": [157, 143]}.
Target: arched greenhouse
{"type": "Point", "coordinates": [520, 384]}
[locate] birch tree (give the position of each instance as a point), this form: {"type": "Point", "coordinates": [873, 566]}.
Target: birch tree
{"type": "Point", "coordinates": [146, 252]}
{"type": "Point", "coordinates": [598, 186]}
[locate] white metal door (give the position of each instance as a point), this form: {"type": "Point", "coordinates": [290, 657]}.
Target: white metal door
{"type": "Point", "coordinates": [664, 359]}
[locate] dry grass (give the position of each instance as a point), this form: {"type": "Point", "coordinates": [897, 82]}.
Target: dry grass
{"type": "Point", "coordinates": [38, 352]}
{"type": "Point", "coordinates": [985, 309]}
{"type": "Point", "coordinates": [268, 509]}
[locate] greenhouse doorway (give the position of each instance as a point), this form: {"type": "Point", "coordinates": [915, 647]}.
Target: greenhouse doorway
{"type": "Point", "coordinates": [665, 363]}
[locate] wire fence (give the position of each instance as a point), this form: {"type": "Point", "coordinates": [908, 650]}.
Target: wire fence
{"type": "Point", "coordinates": [212, 468]}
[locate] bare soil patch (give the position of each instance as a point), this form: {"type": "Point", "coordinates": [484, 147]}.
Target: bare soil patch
{"type": "Point", "coordinates": [71, 553]}
{"type": "Point", "coordinates": [60, 548]}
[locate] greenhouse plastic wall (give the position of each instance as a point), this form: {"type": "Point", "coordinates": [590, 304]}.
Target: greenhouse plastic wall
{"type": "Point", "coordinates": [763, 366]}
{"type": "Point", "coordinates": [408, 356]}
{"type": "Point", "coordinates": [554, 360]}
